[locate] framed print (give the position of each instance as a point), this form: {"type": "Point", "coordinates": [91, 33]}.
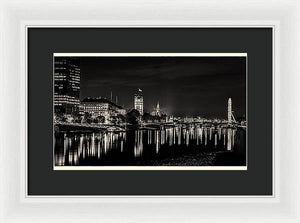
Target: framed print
{"type": "Point", "coordinates": [112, 111]}
{"type": "Point", "coordinates": [158, 112]}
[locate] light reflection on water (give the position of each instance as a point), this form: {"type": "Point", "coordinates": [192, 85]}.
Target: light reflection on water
{"type": "Point", "coordinates": [75, 148]}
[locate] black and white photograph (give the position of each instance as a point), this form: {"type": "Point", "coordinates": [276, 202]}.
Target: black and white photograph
{"type": "Point", "coordinates": [152, 111]}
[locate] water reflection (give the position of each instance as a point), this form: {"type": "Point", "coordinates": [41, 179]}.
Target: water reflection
{"type": "Point", "coordinates": [126, 147]}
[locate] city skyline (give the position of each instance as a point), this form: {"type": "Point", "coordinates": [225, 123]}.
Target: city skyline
{"type": "Point", "coordinates": [193, 86]}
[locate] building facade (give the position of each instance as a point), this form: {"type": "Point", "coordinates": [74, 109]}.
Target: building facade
{"type": "Point", "coordinates": [66, 85]}
{"type": "Point", "coordinates": [101, 107]}
{"type": "Point", "coordinates": [121, 110]}
{"type": "Point", "coordinates": [139, 102]}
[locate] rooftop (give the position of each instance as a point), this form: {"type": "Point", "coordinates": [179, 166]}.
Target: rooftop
{"type": "Point", "coordinates": [101, 100]}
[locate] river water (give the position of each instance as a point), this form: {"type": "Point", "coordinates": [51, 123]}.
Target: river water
{"type": "Point", "coordinates": [179, 145]}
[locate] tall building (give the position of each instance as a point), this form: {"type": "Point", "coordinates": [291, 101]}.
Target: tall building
{"type": "Point", "coordinates": [66, 85]}
{"type": "Point", "coordinates": [139, 102]}
{"type": "Point", "coordinates": [229, 111]}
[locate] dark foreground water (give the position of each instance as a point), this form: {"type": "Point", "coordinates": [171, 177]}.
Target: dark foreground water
{"type": "Point", "coordinates": [187, 145]}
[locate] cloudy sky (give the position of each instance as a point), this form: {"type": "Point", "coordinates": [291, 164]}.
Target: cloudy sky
{"type": "Point", "coordinates": [182, 85]}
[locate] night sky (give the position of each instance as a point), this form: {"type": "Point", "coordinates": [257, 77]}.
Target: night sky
{"type": "Point", "coordinates": [186, 86]}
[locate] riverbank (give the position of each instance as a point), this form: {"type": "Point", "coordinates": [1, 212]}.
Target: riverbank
{"type": "Point", "coordinates": [77, 127]}
{"type": "Point", "coordinates": [201, 159]}
{"type": "Point", "coordinates": [218, 158]}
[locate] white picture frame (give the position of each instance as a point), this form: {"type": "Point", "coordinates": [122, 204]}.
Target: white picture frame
{"type": "Point", "coordinates": [282, 16]}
